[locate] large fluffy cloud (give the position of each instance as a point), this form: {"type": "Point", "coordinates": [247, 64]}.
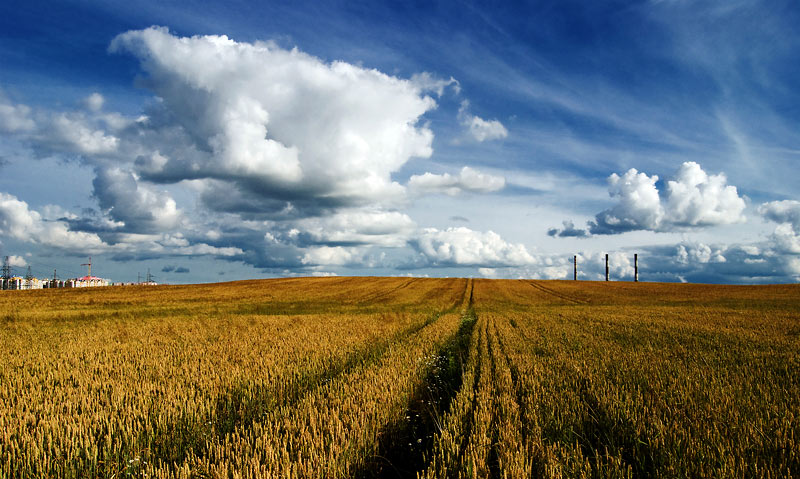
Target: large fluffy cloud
{"type": "Point", "coordinates": [139, 208]}
{"type": "Point", "coordinates": [76, 133]}
{"type": "Point", "coordinates": [279, 124]}
{"type": "Point", "coordinates": [362, 227]}
{"type": "Point", "coordinates": [17, 261]}
{"type": "Point", "coordinates": [290, 156]}
{"type": "Point", "coordinates": [18, 221]}
{"type": "Point", "coordinates": [786, 213]}
{"type": "Point", "coordinates": [693, 199]}
{"type": "Point", "coordinates": [467, 180]}
{"type": "Point", "coordinates": [638, 204]}
{"type": "Point", "coordinates": [463, 246]}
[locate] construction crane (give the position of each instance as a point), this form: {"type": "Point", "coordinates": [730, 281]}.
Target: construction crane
{"type": "Point", "coordinates": [89, 264]}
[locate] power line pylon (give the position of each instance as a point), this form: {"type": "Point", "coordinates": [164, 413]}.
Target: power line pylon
{"type": "Point", "coordinates": [6, 268]}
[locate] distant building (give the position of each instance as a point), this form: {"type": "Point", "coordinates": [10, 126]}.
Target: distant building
{"type": "Point", "coordinates": [86, 282]}
{"type": "Point", "coordinates": [8, 282]}
{"type": "Point", "coordinates": [54, 283]}
{"type": "Point", "coordinates": [33, 283]}
{"type": "Point", "coordinates": [13, 283]}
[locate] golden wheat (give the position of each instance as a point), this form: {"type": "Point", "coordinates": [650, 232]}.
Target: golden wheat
{"type": "Point", "coordinates": [375, 377]}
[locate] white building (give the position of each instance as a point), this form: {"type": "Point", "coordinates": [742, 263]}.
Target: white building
{"type": "Point", "coordinates": [86, 282]}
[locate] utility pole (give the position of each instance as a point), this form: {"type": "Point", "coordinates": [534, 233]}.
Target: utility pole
{"type": "Point", "coordinates": [636, 267]}
{"type": "Point", "coordinates": [149, 276]}
{"type": "Point", "coordinates": [89, 264]}
{"type": "Point", "coordinates": [575, 268]}
{"type": "Point", "coordinates": [606, 266]}
{"type": "Point", "coordinates": [29, 279]}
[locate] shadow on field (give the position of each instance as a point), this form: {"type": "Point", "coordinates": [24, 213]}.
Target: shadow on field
{"type": "Point", "coordinates": [404, 443]}
{"type": "Point", "coordinates": [603, 433]}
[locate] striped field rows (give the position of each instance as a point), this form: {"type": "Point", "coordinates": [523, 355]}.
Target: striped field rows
{"type": "Point", "coordinates": [399, 377]}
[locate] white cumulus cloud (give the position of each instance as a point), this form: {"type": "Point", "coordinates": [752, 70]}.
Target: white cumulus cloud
{"type": "Point", "coordinates": [358, 227]}
{"type": "Point", "coordinates": [332, 256]}
{"type": "Point", "coordinates": [279, 124]}
{"type": "Point", "coordinates": [481, 130]}
{"type": "Point", "coordinates": [15, 118]}
{"type": "Point", "coordinates": [467, 180]}
{"type": "Point", "coordinates": [786, 237]}
{"type": "Point", "coordinates": [20, 222]}
{"type": "Point", "coordinates": [463, 246]}
{"type": "Point", "coordinates": [638, 204]}
{"type": "Point", "coordinates": [696, 198]}
{"type": "Point", "coordinates": [693, 199]}
{"type": "Point", "coordinates": [17, 261]}
{"type": "Point", "coordinates": [139, 207]}
{"type": "Point", "coordinates": [76, 133]}
{"type": "Point", "coordinates": [786, 211]}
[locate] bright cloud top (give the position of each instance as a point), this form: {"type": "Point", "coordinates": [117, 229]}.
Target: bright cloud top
{"type": "Point", "coordinates": [786, 236]}
{"type": "Point", "coordinates": [696, 198]}
{"type": "Point", "coordinates": [18, 221]}
{"type": "Point", "coordinates": [463, 246]}
{"type": "Point", "coordinates": [693, 199]}
{"type": "Point", "coordinates": [291, 159]}
{"type": "Point", "coordinates": [279, 123]}
{"type": "Point", "coordinates": [281, 162]}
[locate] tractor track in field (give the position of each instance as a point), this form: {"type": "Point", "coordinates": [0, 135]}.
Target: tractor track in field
{"type": "Point", "coordinates": [537, 285]}
{"type": "Point", "coordinates": [475, 390]}
{"type": "Point", "coordinates": [493, 458]}
{"type": "Point", "coordinates": [384, 294]}
{"type": "Point", "coordinates": [516, 382]}
{"type": "Point", "coordinates": [236, 408]}
{"type": "Point", "coordinates": [405, 445]}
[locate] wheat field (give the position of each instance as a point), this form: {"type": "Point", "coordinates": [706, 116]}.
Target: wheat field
{"type": "Point", "coordinates": [401, 377]}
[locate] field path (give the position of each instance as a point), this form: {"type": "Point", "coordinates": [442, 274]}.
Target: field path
{"type": "Point", "coordinates": [545, 289]}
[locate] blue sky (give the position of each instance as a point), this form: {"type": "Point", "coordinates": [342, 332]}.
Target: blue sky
{"type": "Point", "coordinates": [217, 141]}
